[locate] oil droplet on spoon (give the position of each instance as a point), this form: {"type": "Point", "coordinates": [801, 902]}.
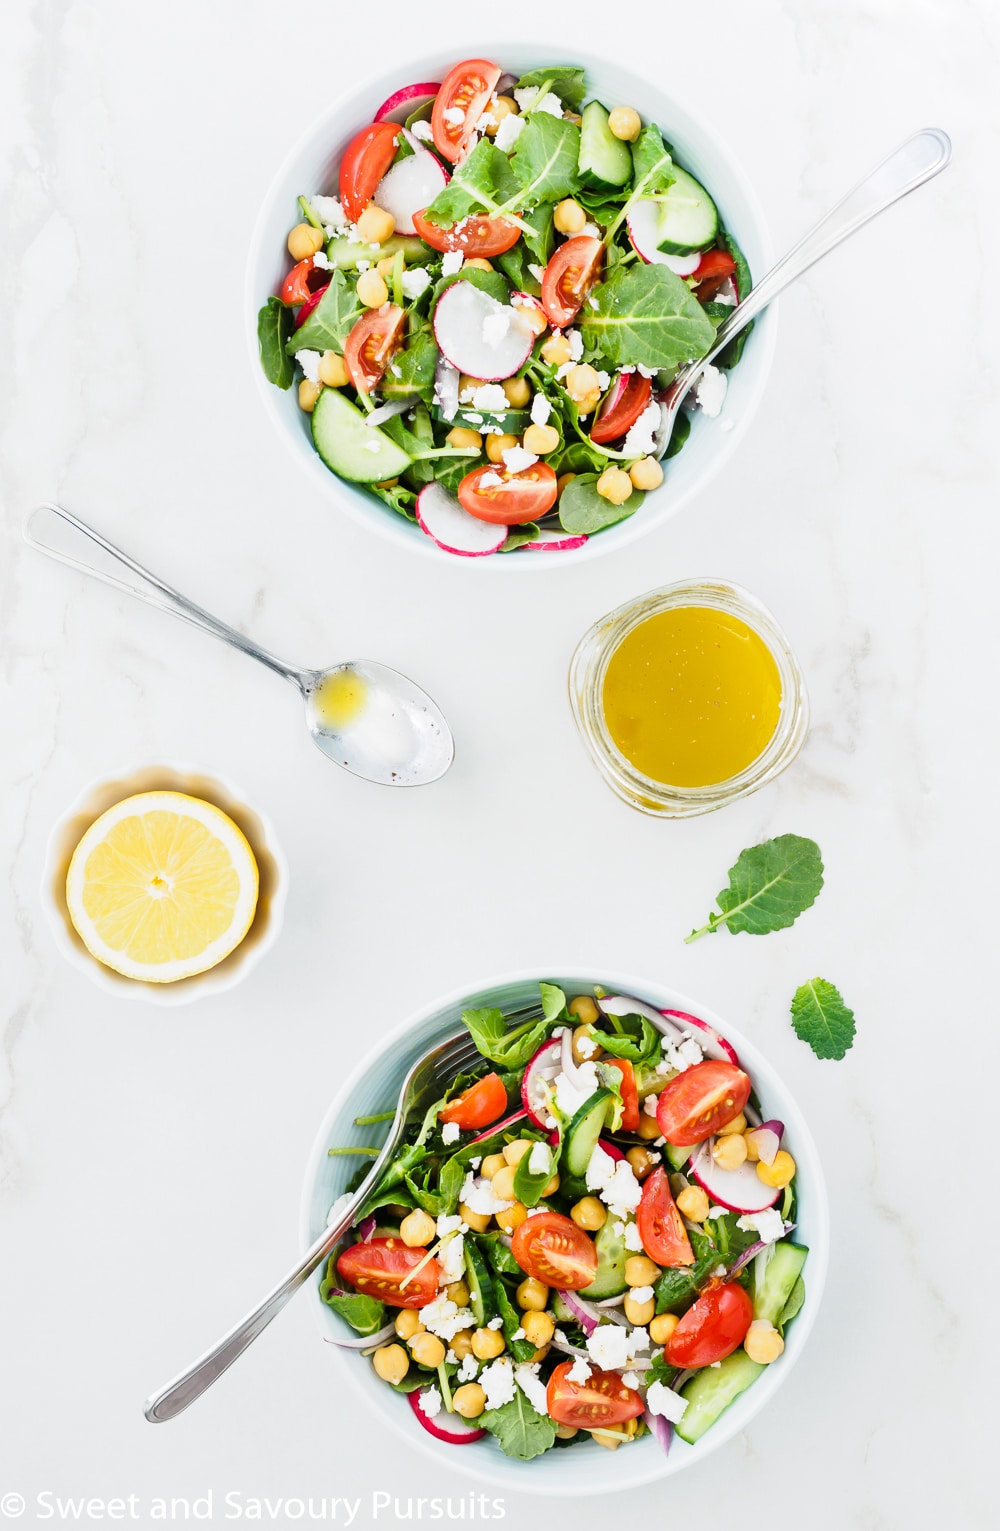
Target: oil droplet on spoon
{"type": "Point", "coordinates": [339, 700]}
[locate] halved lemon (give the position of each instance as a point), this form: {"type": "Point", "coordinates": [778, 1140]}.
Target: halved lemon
{"type": "Point", "coordinates": [162, 886]}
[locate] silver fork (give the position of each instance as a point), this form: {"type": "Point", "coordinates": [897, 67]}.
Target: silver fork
{"type": "Point", "coordinates": [422, 1085]}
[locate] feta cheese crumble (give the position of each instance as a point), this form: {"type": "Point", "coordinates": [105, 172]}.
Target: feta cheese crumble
{"type": "Point", "coordinates": [450, 1132]}
{"type": "Point", "coordinates": [649, 1104]}
{"type": "Point", "coordinates": [490, 480]}
{"type": "Point", "coordinates": [575, 344]}
{"type": "Point", "coordinates": [516, 459]}
{"type": "Point", "coordinates": [445, 1318]}
{"type": "Point", "coordinates": [537, 271]}
{"type": "Point", "coordinates": [430, 1402]}
{"type": "Point", "coordinates": [451, 262]}
{"type": "Point", "coordinates": [415, 282]}
{"type": "Point", "coordinates": [468, 1369]}
{"type": "Point", "coordinates": [540, 1157]}
{"type": "Point", "coordinates": [309, 362]}
{"type": "Point", "coordinates": [710, 390]}
{"type": "Point", "coordinates": [423, 131]}
{"type": "Point", "coordinates": [579, 1371]}
{"type": "Point", "coordinates": [614, 1181]}
{"type": "Point", "coordinates": [497, 1382]}
{"type": "Point", "coordinates": [571, 1095]}
{"type": "Point", "coordinates": [490, 397]}
{"type": "Point", "coordinates": [479, 1196]}
{"type": "Point", "coordinates": [531, 1385]}
{"type": "Point", "coordinates": [632, 1239]}
{"type": "Point", "coordinates": [329, 210]}
{"type": "Point", "coordinates": [541, 409]}
{"type": "Point", "coordinates": [639, 440]}
{"type": "Point", "coordinates": [508, 133]}
{"type": "Point", "coordinates": [768, 1225]}
{"type": "Point", "coordinates": [321, 262]}
{"type": "Point", "coordinates": [531, 100]}
{"type": "Point", "coordinates": [454, 115]}
{"type": "Point", "coordinates": [641, 1294]}
{"type": "Point", "coordinates": [664, 1401]}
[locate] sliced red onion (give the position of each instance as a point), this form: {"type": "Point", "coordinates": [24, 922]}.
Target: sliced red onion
{"type": "Point", "coordinates": [367, 1228]}
{"type": "Point", "coordinates": [394, 407]}
{"type": "Point", "coordinates": [767, 1139]}
{"type": "Point", "coordinates": [581, 1311]}
{"type": "Point", "coordinates": [364, 1341]}
{"type": "Point", "coordinates": [661, 1428]}
{"type": "Point", "coordinates": [612, 1302]}
{"type": "Point", "coordinates": [506, 84]}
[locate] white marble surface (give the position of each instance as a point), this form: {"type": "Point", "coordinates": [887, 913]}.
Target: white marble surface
{"type": "Point", "coordinates": [150, 1161]}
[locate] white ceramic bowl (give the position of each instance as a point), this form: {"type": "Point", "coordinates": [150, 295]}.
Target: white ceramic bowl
{"type": "Point", "coordinates": [373, 1086]}
{"type": "Point", "coordinates": [311, 167]}
{"type": "Point", "coordinates": [96, 799]}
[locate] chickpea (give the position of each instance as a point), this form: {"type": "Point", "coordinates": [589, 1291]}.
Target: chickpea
{"type": "Point", "coordinates": [478, 263]}
{"type": "Point", "coordinates": [477, 1221]}
{"type": "Point", "coordinates": [567, 1432]}
{"type": "Point", "coordinates": [503, 106]}
{"type": "Point", "coordinates": [427, 1350]}
{"type": "Point", "coordinates": [376, 225]}
{"type": "Point", "coordinates": [588, 404]}
{"type": "Point", "coordinates": [304, 241]}
{"type": "Point", "coordinates": [532, 316]}
{"type": "Point", "coordinates": [662, 1327]}
{"type": "Point", "coordinates": [386, 266]}
{"type": "Point", "coordinates": [589, 1214]}
{"type": "Point", "coordinates": [512, 1217]}
{"type": "Point", "coordinates": [585, 1049]}
{"type": "Point", "coordinates": [539, 1354]}
{"type": "Point", "coordinates": [615, 485]}
{"type": "Point", "coordinates": [556, 350]}
{"type": "Point", "coordinates": [332, 370]}
{"type": "Point", "coordinates": [467, 384]}
{"type": "Point", "coordinates": [642, 1162]}
{"type": "Point", "coordinates": [408, 1323]}
{"type": "Point", "coordinates": [492, 1162]}
{"type": "Point", "coordinates": [729, 1153]}
{"type": "Point", "coordinates": [569, 217]}
{"type": "Point", "coordinates": [470, 1400]}
{"type": "Point", "coordinates": [518, 391]}
{"type": "Point", "coordinates": [308, 394]}
{"type": "Point", "coordinates": [625, 123]}
{"type": "Point", "coordinates": [763, 1342]}
{"type": "Point", "coordinates": [693, 1203]}
{"type": "Point", "coordinates": [602, 1438]}
{"type": "Point", "coordinates": [638, 1312]}
{"type": "Point", "coordinates": [649, 1127]}
{"type": "Point", "coordinates": [563, 480]}
{"type": "Point", "coordinates": [738, 1124]}
{"type": "Point", "coordinates": [532, 1295]}
{"type": "Point", "coordinates": [461, 1344]}
{"type": "Point", "coordinates": [581, 381]}
{"type": "Point", "coordinates": [551, 1186]}
{"type": "Point", "coordinates": [780, 1173]}
{"type": "Point", "coordinates": [488, 1343]}
{"type": "Point", "coordinates": [646, 473]}
{"type": "Point", "coordinates": [753, 1152]}
{"type": "Point", "coordinates": [458, 1293]}
{"type": "Point", "coordinates": [372, 291]}
{"type": "Point", "coordinates": [391, 1363]}
{"type": "Point", "coordinates": [540, 439]}
{"type": "Point", "coordinates": [496, 446]}
{"type": "Point", "coordinates": [514, 1152]}
{"type": "Point", "coordinates": [417, 1229]}
{"type": "Point", "coordinates": [503, 1183]}
{"type": "Point", "coordinates": [640, 1270]}
{"type": "Point", "coordinates": [584, 1008]}
{"type": "Point", "coordinates": [538, 1328]}
{"type": "Point", "coordinates": [470, 440]}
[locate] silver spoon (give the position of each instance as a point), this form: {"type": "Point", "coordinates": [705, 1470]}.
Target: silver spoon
{"type": "Point", "coordinates": [364, 716]}
{"type": "Point", "coordinates": [914, 162]}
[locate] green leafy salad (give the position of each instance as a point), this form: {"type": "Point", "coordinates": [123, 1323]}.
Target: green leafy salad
{"type": "Point", "coordinates": [484, 321]}
{"type": "Point", "coordinates": [587, 1237]}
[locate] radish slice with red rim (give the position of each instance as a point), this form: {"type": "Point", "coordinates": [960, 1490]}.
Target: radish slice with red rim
{"type": "Point", "coordinates": [552, 539]}
{"type": "Point", "coordinates": [537, 1081]}
{"type": "Point", "coordinates": [508, 1121]}
{"type": "Point", "coordinates": [410, 185]}
{"type": "Point", "coordinates": [739, 1190]}
{"type": "Point", "coordinates": [478, 335]}
{"type": "Point", "coordinates": [449, 524]}
{"type": "Point", "coordinates": [403, 103]}
{"type": "Point", "coordinates": [643, 222]}
{"type": "Point", "coordinates": [711, 1043]}
{"type": "Point", "coordinates": [444, 1427]}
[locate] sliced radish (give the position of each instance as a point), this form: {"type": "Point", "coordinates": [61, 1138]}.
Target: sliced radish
{"type": "Point", "coordinates": [521, 299]}
{"type": "Point", "coordinates": [538, 1076]}
{"type": "Point", "coordinates": [739, 1190]}
{"type": "Point", "coordinates": [478, 335]}
{"type": "Point", "coordinates": [711, 1043]}
{"type": "Point", "coordinates": [410, 185]}
{"type": "Point", "coordinates": [552, 539]}
{"type": "Point", "coordinates": [767, 1140]}
{"type": "Point", "coordinates": [449, 524]}
{"type": "Point", "coordinates": [403, 103]}
{"type": "Point", "coordinates": [508, 1121]}
{"type": "Point", "coordinates": [644, 230]}
{"type": "Point", "coordinates": [445, 1427]}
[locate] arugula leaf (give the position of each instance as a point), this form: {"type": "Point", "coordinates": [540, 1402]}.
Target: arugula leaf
{"type": "Point", "coordinates": [553, 1002]}
{"type": "Point", "coordinates": [539, 237]}
{"type": "Point", "coordinates": [275, 323]}
{"type": "Point", "coordinates": [661, 1371]}
{"type": "Point", "coordinates": [731, 1241]}
{"type": "Point", "coordinates": [518, 535]}
{"type": "Point", "coordinates": [521, 1431]}
{"type": "Point", "coordinates": [511, 1049]}
{"type": "Point", "coordinates": [412, 370]}
{"type": "Point", "coordinates": [744, 283]}
{"type": "Point", "coordinates": [331, 321]}
{"type": "Point", "coordinates": [578, 457]}
{"type": "Point", "coordinates": [680, 1284]}
{"type": "Point", "coordinates": [632, 1037]}
{"type": "Point", "coordinates": [582, 509]}
{"type": "Point", "coordinates": [365, 1314]}
{"type": "Point", "coordinates": [565, 80]}
{"type": "Point", "coordinates": [398, 498]}
{"type": "Point", "coordinates": [482, 183]}
{"type": "Point", "coordinates": [769, 887]}
{"type": "Point", "coordinates": [821, 1018]}
{"type": "Point", "coordinates": [498, 1255]}
{"type": "Point", "coordinates": [545, 161]}
{"type": "Point", "coordinates": [645, 315]}
{"type": "Point", "coordinates": [528, 1183]}
{"type": "Point", "coordinates": [522, 1349]}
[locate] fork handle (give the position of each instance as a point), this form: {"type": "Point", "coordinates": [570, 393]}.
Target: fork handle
{"type": "Point", "coordinates": [917, 160]}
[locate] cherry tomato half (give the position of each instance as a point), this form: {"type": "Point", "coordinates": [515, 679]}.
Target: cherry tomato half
{"type": "Point", "coordinates": [379, 1268]}
{"type": "Point", "coordinates": [661, 1227]}
{"type": "Point", "coordinates": [715, 267]}
{"type": "Point", "coordinates": [463, 98]}
{"type": "Point", "coordinates": [603, 1400]}
{"type": "Point", "coordinates": [700, 1101]}
{"type": "Point", "coordinates": [295, 288]}
{"type": "Point", "coordinates": [473, 236]}
{"type": "Point", "coordinates": [569, 276]}
{"type": "Point", "coordinates": [519, 497]}
{"type": "Point", "coordinates": [371, 345]}
{"type": "Point", "coordinates": [555, 1251]}
{"type": "Point", "coordinates": [712, 1328]}
{"type": "Point", "coordinates": [482, 1103]}
{"type": "Point", "coordinates": [630, 393]}
{"type": "Point", "coordinates": [366, 160]}
{"type": "Point", "coordinates": [630, 1094]}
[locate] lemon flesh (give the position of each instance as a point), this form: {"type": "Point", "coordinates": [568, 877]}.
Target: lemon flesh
{"type": "Point", "coordinates": [162, 886]}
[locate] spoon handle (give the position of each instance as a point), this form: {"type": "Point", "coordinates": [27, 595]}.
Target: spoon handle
{"type": "Point", "coordinates": [914, 162]}
{"type": "Point", "coordinates": [63, 536]}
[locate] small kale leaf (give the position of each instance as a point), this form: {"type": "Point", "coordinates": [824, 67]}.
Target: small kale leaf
{"type": "Point", "coordinates": [481, 184]}
{"type": "Point", "coordinates": [545, 161]}
{"type": "Point", "coordinates": [521, 1431]}
{"type": "Point", "coordinates": [645, 315]}
{"type": "Point", "coordinates": [821, 1018]}
{"type": "Point", "coordinates": [769, 887]}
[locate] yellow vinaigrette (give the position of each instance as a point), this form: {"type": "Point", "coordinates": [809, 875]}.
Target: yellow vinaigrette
{"type": "Point", "coordinates": [339, 700]}
{"type": "Point", "coordinates": [692, 696]}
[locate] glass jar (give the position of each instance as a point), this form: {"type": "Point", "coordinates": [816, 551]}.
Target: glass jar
{"type": "Point", "coordinates": [586, 688]}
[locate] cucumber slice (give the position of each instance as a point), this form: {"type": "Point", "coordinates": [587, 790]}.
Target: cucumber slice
{"type": "Point", "coordinates": [689, 219]}
{"type": "Point", "coordinates": [783, 1270]}
{"type": "Point", "coordinates": [563, 1314]}
{"type": "Point", "coordinates": [350, 446]}
{"type": "Point", "coordinates": [611, 1257]}
{"type": "Point", "coordinates": [711, 1391]}
{"type": "Point", "coordinates": [345, 256]}
{"type": "Point", "coordinates": [604, 161]}
{"type": "Point", "coordinates": [513, 422]}
{"type": "Point", "coordinates": [677, 1157]}
{"type": "Point", "coordinates": [481, 1298]}
{"type": "Point", "coordinates": [588, 1123]}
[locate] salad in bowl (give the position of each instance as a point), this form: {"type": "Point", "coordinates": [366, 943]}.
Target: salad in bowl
{"type": "Point", "coordinates": [485, 303]}
{"type": "Point", "coordinates": [589, 1240]}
